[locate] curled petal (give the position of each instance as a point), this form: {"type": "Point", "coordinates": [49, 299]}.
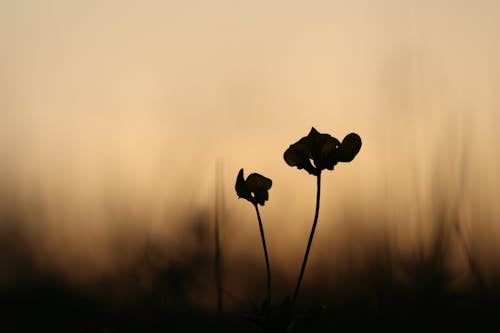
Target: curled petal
{"type": "Point", "coordinates": [256, 182]}
{"type": "Point", "coordinates": [313, 152]}
{"type": "Point", "coordinates": [321, 143]}
{"type": "Point", "coordinates": [254, 188]}
{"type": "Point", "coordinates": [349, 148]}
{"type": "Point", "coordinates": [241, 187]}
{"type": "Point", "coordinates": [327, 147]}
{"type": "Point", "coordinates": [299, 155]}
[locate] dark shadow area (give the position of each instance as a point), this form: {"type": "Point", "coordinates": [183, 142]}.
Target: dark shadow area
{"type": "Point", "coordinates": [162, 291]}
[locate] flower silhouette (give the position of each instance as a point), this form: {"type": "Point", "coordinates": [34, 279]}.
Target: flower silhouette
{"type": "Point", "coordinates": [317, 151]}
{"type": "Point", "coordinates": [314, 153]}
{"type": "Point", "coordinates": [254, 188]}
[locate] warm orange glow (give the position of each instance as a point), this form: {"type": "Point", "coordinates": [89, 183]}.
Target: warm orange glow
{"type": "Point", "coordinates": [112, 117]}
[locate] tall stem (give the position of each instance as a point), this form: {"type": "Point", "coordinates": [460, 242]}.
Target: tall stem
{"type": "Point", "coordinates": [268, 267]}
{"type": "Point", "coordinates": [311, 236]}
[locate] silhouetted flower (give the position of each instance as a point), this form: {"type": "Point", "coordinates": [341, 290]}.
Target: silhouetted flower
{"type": "Point", "coordinates": [254, 188]}
{"type": "Point", "coordinates": [318, 151]}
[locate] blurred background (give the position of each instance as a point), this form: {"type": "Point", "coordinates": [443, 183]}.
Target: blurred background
{"type": "Point", "coordinates": [115, 114]}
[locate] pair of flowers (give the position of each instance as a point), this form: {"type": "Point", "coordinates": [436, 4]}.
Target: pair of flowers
{"type": "Point", "coordinates": [313, 153]}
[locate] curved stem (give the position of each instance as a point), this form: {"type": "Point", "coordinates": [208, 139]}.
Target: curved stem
{"type": "Point", "coordinates": [311, 236]}
{"type": "Point", "coordinates": [268, 267]}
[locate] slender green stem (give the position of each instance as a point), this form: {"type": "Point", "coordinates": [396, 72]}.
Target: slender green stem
{"type": "Point", "coordinates": [268, 267]}
{"type": "Point", "coordinates": [311, 236]}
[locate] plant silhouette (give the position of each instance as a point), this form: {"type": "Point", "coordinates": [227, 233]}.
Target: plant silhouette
{"type": "Point", "coordinates": [314, 153]}
{"type": "Point", "coordinates": [255, 189]}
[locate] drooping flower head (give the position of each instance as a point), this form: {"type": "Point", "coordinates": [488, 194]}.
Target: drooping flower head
{"type": "Point", "coordinates": [254, 188]}
{"type": "Point", "coordinates": [317, 151]}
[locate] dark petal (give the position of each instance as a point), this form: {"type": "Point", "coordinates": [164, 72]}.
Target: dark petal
{"type": "Point", "coordinates": [349, 148]}
{"type": "Point", "coordinates": [328, 145]}
{"type": "Point", "coordinates": [256, 183]}
{"type": "Point", "coordinates": [299, 155]}
{"type": "Point", "coordinates": [312, 133]}
{"type": "Point", "coordinates": [317, 140]}
{"type": "Point", "coordinates": [241, 187]}
{"type": "Point", "coordinates": [322, 146]}
{"type": "Point", "coordinates": [314, 140]}
{"type": "Point", "coordinates": [331, 163]}
{"type": "Point", "coordinates": [261, 197]}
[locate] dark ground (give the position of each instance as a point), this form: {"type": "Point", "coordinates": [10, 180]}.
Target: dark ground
{"type": "Point", "coordinates": [391, 293]}
{"type": "Point", "coordinates": [377, 304]}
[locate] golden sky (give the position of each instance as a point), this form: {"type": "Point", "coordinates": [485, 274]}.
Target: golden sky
{"type": "Point", "coordinates": [132, 102]}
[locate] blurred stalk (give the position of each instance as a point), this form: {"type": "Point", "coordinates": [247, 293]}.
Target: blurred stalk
{"type": "Point", "coordinates": [461, 190]}
{"type": "Point", "coordinates": [218, 216]}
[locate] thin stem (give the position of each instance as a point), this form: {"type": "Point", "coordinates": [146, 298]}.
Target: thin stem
{"type": "Point", "coordinates": [311, 236]}
{"type": "Point", "coordinates": [268, 267]}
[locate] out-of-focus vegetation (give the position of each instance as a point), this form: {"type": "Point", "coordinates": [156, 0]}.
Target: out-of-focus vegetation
{"type": "Point", "coordinates": [171, 288]}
